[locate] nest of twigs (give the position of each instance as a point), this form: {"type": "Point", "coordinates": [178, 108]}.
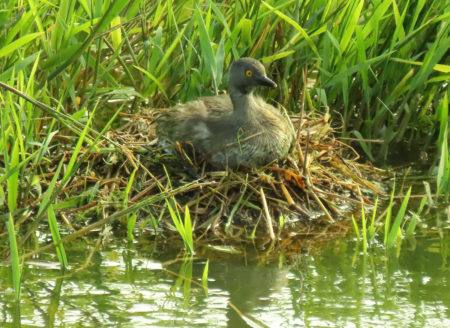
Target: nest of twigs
{"type": "Point", "coordinates": [320, 181]}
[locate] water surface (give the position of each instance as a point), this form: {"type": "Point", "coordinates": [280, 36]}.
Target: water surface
{"type": "Point", "coordinates": [143, 285]}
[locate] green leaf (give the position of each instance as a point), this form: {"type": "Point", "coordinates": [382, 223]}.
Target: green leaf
{"type": "Point", "coordinates": [60, 252]}
{"type": "Point", "coordinates": [395, 229]}
{"type": "Point", "coordinates": [154, 79]}
{"type": "Point", "coordinates": [206, 48]}
{"type": "Point", "coordinates": [116, 34]}
{"type": "Point", "coordinates": [294, 24]}
{"type": "Point", "coordinates": [18, 43]}
{"type": "Point", "coordinates": [13, 179]}
{"type": "Point", "coordinates": [14, 253]}
{"type": "Point", "coordinates": [113, 11]}
{"type": "Point", "coordinates": [349, 26]}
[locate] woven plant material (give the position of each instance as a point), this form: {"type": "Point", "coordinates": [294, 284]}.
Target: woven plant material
{"type": "Point", "coordinates": [316, 185]}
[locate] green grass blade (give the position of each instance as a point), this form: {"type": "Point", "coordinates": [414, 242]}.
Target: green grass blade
{"type": "Point", "coordinates": [116, 34]}
{"type": "Point", "coordinates": [169, 51]}
{"type": "Point", "coordinates": [443, 176]}
{"type": "Point", "coordinates": [395, 229]}
{"type": "Point", "coordinates": [188, 230]}
{"type": "Point", "coordinates": [154, 79]}
{"type": "Point", "coordinates": [412, 225]}
{"type": "Point", "coordinates": [205, 277]}
{"type": "Point", "coordinates": [294, 24]}
{"type": "Point", "coordinates": [364, 228]}
{"type": "Point", "coordinates": [184, 229]}
{"type": "Point", "coordinates": [48, 193]}
{"type": "Point", "coordinates": [176, 219]}
{"type": "Point", "coordinates": [60, 252]}
{"type": "Point", "coordinates": [372, 221]}
{"type": "Point", "coordinates": [65, 12]}
{"type": "Point", "coordinates": [206, 48]}
{"type": "Point", "coordinates": [14, 253]}
{"type": "Point", "coordinates": [78, 146]}
{"type": "Point", "coordinates": [442, 116]}
{"type": "Point", "coordinates": [355, 225]}
{"type": "Point", "coordinates": [112, 11]}
{"type": "Point", "coordinates": [131, 219]}
{"type": "Point", "coordinates": [186, 273]}
{"type": "Point", "coordinates": [131, 222]}
{"type": "Point", "coordinates": [350, 22]}
{"type": "Point", "coordinates": [127, 190]}
{"type": "Point", "coordinates": [19, 43]}
{"type": "Point", "coordinates": [13, 179]}
{"type": "Point", "coordinates": [277, 56]}
{"type": "Point", "coordinates": [438, 67]}
{"type": "Point", "coordinates": [387, 222]}
{"type": "Point", "coordinates": [399, 32]}
{"type": "Point", "coordinates": [355, 68]}
{"type": "Point", "coordinates": [432, 57]}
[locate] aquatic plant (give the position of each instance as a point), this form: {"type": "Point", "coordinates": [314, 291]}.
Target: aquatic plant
{"type": "Point", "coordinates": [183, 226]}
{"type": "Point", "coordinates": [402, 226]}
{"type": "Point", "coordinates": [14, 253]}
{"type": "Point", "coordinates": [443, 170]}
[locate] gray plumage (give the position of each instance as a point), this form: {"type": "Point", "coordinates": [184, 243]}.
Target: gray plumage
{"type": "Point", "coordinates": [231, 130]}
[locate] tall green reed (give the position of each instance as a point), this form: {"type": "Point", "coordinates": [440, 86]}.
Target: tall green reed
{"type": "Point", "coordinates": [368, 61]}
{"type": "Point", "coordinates": [14, 254]}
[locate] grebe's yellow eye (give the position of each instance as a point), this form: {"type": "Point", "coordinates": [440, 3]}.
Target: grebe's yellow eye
{"type": "Point", "coordinates": [248, 73]}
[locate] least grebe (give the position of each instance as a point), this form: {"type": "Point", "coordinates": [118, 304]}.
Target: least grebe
{"type": "Point", "coordinates": [235, 129]}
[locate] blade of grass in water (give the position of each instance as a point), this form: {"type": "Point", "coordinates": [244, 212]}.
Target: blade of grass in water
{"type": "Point", "coordinates": [60, 252]}
{"type": "Point", "coordinates": [395, 229]}
{"type": "Point", "coordinates": [131, 218]}
{"type": "Point", "coordinates": [443, 176]}
{"type": "Point", "coordinates": [372, 221]}
{"type": "Point", "coordinates": [188, 229]}
{"type": "Point", "coordinates": [387, 221]}
{"type": "Point", "coordinates": [355, 226]}
{"type": "Point", "coordinates": [412, 225]}
{"type": "Point", "coordinates": [442, 116]}
{"type": "Point", "coordinates": [364, 228]}
{"type": "Point", "coordinates": [205, 277]}
{"type": "Point", "coordinates": [131, 222]}
{"type": "Point", "coordinates": [184, 229]}
{"type": "Point", "coordinates": [14, 254]}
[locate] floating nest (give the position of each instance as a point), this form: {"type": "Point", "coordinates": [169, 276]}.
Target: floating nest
{"type": "Point", "coordinates": [309, 193]}
{"type": "Point", "coordinates": [311, 190]}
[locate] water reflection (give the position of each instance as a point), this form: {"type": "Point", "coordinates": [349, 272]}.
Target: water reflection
{"type": "Point", "coordinates": [139, 286]}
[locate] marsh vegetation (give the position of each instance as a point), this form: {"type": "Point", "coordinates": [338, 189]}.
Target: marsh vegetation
{"type": "Point", "coordinates": [365, 84]}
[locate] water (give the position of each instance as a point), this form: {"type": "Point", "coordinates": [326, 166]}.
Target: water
{"type": "Point", "coordinates": [142, 285]}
